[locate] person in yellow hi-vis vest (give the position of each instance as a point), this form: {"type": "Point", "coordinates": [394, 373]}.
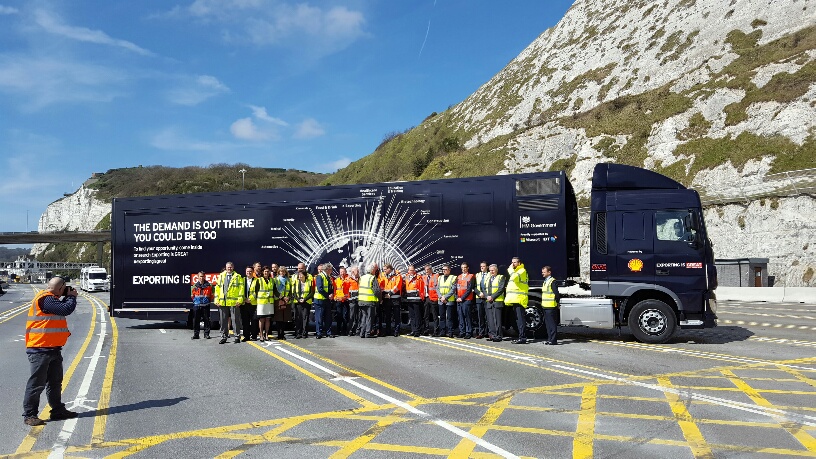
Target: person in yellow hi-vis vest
{"type": "Point", "coordinates": [549, 301]}
{"type": "Point", "coordinates": [517, 296]}
{"type": "Point", "coordinates": [230, 289]}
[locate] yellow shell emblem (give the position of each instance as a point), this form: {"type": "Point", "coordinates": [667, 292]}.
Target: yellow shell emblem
{"type": "Point", "coordinates": [635, 265]}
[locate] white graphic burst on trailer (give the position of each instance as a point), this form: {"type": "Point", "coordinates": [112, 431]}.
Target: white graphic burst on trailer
{"type": "Point", "coordinates": [396, 233]}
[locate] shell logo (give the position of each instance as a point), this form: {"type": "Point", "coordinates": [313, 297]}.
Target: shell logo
{"type": "Point", "coordinates": [635, 265]}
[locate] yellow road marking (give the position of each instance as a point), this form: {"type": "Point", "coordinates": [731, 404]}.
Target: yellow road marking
{"type": "Point", "coordinates": [354, 445]}
{"type": "Point", "coordinates": [794, 429]}
{"type": "Point", "coordinates": [365, 403]}
{"type": "Point", "coordinates": [100, 422]}
{"type": "Point", "coordinates": [465, 447]}
{"type": "Point", "coordinates": [582, 443]}
{"type": "Point", "coordinates": [24, 309]}
{"type": "Point", "coordinates": [358, 373]}
{"type": "Point", "coordinates": [28, 442]}
{"type": "Point", "coordinates": [692, 434]}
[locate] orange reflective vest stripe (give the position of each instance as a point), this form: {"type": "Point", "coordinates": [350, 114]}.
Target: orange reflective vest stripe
{"type": "Point", "coordinates": [462, 283]}
{"type": "Point", "coordinates": [43, 329]}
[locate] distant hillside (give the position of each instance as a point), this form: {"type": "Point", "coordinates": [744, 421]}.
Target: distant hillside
{"type": "Point", "coordinates": [157, 180]}
{"type": "Point", "coordinates": [7, 254]}
{"type": "Point", "coordinates": [88, 209]}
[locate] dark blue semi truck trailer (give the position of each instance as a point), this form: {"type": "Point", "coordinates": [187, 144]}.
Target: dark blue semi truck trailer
{"type": "Point", "coordinates": [652, 264]}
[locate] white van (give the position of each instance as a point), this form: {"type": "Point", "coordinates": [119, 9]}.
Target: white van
{"type": "Point", "coordinates": [93, 279]}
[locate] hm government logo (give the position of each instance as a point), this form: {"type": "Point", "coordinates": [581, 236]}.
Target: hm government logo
{"type": "Point", "coordinates": [525, 219]}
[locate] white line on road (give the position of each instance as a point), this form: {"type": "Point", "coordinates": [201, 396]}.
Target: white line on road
{"type": "Point", "coordinates": [163, 330]}
{"type": "Point", "coordinates": [405, 406]}
{"type": "Point", "coordinates": [773, 412]}
{"type": "Point", "coordinates": [58, 450]}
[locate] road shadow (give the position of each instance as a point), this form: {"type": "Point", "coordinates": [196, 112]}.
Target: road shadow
{"type": "Point", "coordinates": [718, 335]}
{"type": "Point", "coordinates": [158, 325]}
{"type": "Point", "coordinates": [147, 404]}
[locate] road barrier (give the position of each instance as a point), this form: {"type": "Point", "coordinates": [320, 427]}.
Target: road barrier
{"type": "Point", "coordinates": [768, 294]}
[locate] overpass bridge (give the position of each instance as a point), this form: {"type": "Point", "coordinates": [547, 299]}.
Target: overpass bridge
{"type": "Point", "coordinates": [50, 237]}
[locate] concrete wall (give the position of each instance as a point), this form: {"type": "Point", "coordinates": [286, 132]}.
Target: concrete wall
{"type": "Point", "coordinates": [768, 294]}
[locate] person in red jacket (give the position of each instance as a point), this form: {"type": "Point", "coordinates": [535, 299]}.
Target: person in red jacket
{"type": "Point", "coordinates": [414, 296]}
{"type": "Point", "coordinates": [202, 295]}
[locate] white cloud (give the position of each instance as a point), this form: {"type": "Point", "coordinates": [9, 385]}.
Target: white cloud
{"type": "Point", "coordinates": [53, 24]}
{"type": "Point", "coordinates": [334, 166]}
{"type": "Point", "coordinates": [315, 31]}
{"type": "Point", "coordinates": [260, 113]}
{"type": "Point", "coordinates": [44, 81]}
{"type": "Point", "coordinates": [246, 129]}
{"type": "Point", "coordinates": [193, 92]}
{"type": "Point", "coordinates": [8, 10]}
{"type": "Point", "coordinates": [308, 129]}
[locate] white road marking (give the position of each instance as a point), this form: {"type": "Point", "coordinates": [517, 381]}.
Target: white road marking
{"type": "Point", "coordinates": [163, 330]}
{"type": "Point", "coordinates": [445, 425]}
{"type": "Point", "coordinates": [772, 412]}
{"type": "Point", "coordinates": [58, 450]}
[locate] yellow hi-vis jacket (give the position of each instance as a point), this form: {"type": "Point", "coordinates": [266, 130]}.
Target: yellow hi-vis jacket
{"type": "Point", "coordinates": [232, 294]}
{"type": "Point", "coordinates": [547, 294]}
{"type": "Point", "coordinates": [267, 289]}
{"type": "Point", "coordinates": [517, 287]}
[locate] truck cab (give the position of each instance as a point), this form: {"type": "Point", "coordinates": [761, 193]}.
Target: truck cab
{"type": "Point", "coordinates": [650, 253]}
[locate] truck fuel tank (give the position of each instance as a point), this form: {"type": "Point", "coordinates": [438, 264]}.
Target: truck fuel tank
{"type": "Point", "coordinates": [587, 312]}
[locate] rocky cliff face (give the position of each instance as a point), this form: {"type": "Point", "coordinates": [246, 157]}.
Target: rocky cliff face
{"type": "Point", "coordinates": [718, 94]}
{"type": "Point", "coordinates": [80, 211]}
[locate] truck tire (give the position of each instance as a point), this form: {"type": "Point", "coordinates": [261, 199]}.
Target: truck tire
{"type": "Point", "coordinates": [535, 321]}
{"type": "Point", "coordinates": [652, 321]}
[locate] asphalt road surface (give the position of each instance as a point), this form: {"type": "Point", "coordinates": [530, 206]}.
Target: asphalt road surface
{"type": "Point", "coordinates": [745, 389]}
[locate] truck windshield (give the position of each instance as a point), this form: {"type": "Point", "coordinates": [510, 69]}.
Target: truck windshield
{"type": "Point", "coordinates": [671, 226]}
{"type": "Point", "coordinates": [97, 275]}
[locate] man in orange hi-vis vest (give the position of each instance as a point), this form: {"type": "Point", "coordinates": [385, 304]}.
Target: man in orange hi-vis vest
{"type": "Point", "coordinates": [46, 333]}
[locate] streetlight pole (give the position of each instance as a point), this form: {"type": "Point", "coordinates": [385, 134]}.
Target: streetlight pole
{"type": "Point", "coordinates": [242, 171]}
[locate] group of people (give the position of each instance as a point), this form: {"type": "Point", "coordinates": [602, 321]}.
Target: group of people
{"type": "Point", "coordinates": [466, 305]}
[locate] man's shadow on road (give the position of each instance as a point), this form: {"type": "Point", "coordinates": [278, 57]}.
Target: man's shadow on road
{"type": "Point", "coordinates": [147, 404]}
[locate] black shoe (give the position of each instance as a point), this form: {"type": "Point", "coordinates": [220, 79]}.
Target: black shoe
{"type": "Point", "coordinates": [318, 336]}
{"type": "Point", "coordinates": [519, 341]}
{"type": "Point", "coordinates": [206, 336]}
{"type": "Point", "coordinates": [332, 336]}
{"type": "Point", "coordinates": [467, 336]}
{"type": "Point", "coordinates": [450, 335]}
{"type": "Point", "coordinates": [63, 414]}
{"type": "Point", "coordinates": [33, 421]}
{"type": "Point", "coordinates": [223, 340]}
{"type": "Point", "coordinates": [551, 343]}
{"type": "Point", "coordinates": [497, 340]}
{"type": "Point", "coordinates": [245, 339]}
{"type": "Point", "coordinates": [194, 337]}
{"type": "Point", "coordinates": [237, 340]}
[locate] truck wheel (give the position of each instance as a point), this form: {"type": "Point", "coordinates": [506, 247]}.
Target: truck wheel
{"type": "Point", "coordinates": [652, 321]}
{"type": "Point", "coordinates": [535, 321]}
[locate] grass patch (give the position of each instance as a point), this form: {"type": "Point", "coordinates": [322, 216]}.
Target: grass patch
{"type": "Point", "coordinates": [698, 127]}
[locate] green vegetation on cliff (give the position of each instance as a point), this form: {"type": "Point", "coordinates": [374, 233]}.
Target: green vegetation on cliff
{"type": "Point", "coordinates": [157, 180]}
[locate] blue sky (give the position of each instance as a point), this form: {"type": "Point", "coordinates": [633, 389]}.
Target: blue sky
{"type": "Point", "coordinates": [86, 86]}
